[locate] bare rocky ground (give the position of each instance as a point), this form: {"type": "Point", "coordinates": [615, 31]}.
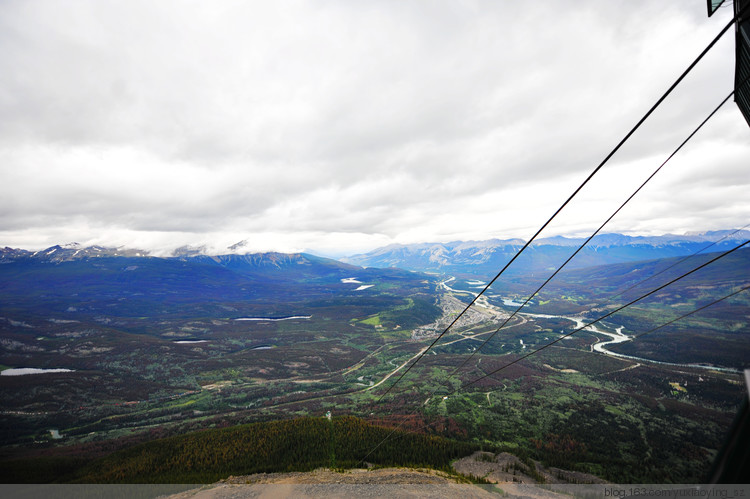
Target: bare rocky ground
{"type": "Point", "coordinates": [513, 477]}
{"type": "Point", "coordinates": [386, 482]}
{"type": "Point", "coordinates": [506, 468]}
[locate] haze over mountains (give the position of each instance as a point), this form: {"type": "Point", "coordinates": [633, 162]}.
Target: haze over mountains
{"type": "Point", "coordinates": [483, 258]}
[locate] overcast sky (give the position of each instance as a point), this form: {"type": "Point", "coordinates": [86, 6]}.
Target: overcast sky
{"type": "Point", "coordinates": [340, 126]}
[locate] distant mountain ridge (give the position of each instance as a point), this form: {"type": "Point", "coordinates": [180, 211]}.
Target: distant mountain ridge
{"type": "Point", "coordinates": [72, 252]}
{"type": "Point", "coordinates": [480, 258]}
{"type": "Point", "coordinates": [67, 252]}
{"type": "Point", "coordinates": [270, 259]}
{"type": "Point", "coordinates": [108, 281]}
{"type": "Point", "coordinates": [484, 258]}
{"type": "Point", "coordinates": [270, 265]}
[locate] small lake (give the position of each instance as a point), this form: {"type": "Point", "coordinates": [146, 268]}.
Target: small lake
{"type": "Point", "coordinates": [22, 371]}
{"type": "Point", "coordinates": [273, 318]}
{"type": "Point", "coordinates": [189, 342]}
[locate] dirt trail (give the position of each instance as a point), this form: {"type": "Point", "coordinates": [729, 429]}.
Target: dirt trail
{"type": "Point", "coordinates": [397, 369]}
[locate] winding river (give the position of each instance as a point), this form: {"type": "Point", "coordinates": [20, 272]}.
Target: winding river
{"type": "Point", "coordinates": [619, 337]}
{"type": "Point", "coordinates": [600, 346]}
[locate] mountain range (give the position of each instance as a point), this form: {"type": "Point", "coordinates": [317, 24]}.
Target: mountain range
{"type": "Point", "coordinates": [485, 258]}
{"type": "Point", "coordinates": [478, 258]}
{"type": "Point", "coordinates": [96, 280]}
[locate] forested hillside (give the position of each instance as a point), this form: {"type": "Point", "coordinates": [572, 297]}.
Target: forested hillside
{"type": "Point", "coordinates": [206, 456]}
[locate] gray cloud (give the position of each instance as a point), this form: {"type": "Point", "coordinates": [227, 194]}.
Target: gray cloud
{"type": "Point", "coordinates": [348, 123]}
